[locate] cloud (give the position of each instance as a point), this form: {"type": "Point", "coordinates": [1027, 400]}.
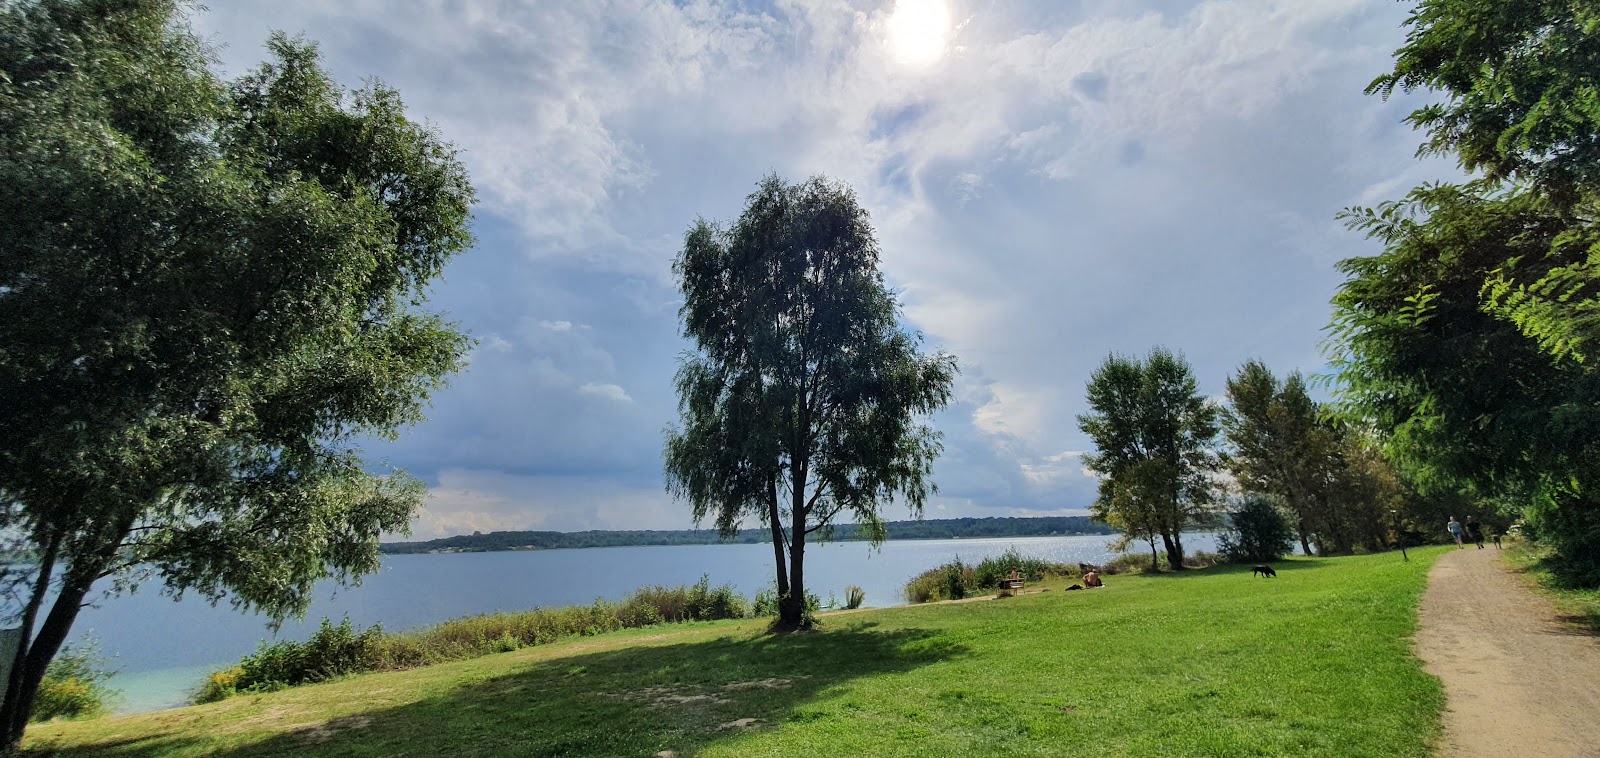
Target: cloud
{"type": "Point", "coordinates": [605, 391]}
{"type": "Point", "coordinates": [1065, 181]}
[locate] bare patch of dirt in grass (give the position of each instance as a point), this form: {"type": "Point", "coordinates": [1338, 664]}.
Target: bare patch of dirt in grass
{"type": "Point", "coordinates": [739, 724]}
{"type": "Point", "coordinates": [668, 696]}
{"type": "Point", "coordinates": [271, 718]}
{"type": "Point", "coordinates": [321, 732]}
{"type": "Point", "coordinates": [774, 683]}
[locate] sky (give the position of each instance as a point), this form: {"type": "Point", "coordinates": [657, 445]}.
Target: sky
{"type": "Point", "coordinates": [1050, 182]}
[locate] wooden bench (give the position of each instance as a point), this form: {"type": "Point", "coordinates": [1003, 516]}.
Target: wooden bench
{"type": "Point", "coordinates": [1007, 586]}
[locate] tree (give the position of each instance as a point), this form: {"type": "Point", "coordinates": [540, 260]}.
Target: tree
{"type": "Point", "coordinates": [1466, 400]}
{"type": "Point", "coordinates": [212, 292]}
{"type": "Point", "coordinates": [1519, 80]}
{"type": "Point", "coordinates": [1258, 531]}
{"type": "Point", "coordinates": [1155, 438]}
{"type": "Point", "coordinates": [803, 399]}
{"type": "Point", "coordinates": [1519, 83]}
{"type": "Point", "coordinates": [1133, 507]}
{"type": "Point", "coordinates": [1279, 445]}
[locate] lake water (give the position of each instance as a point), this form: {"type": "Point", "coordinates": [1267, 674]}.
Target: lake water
{"type": "Point", "coordinates": [163, 648]}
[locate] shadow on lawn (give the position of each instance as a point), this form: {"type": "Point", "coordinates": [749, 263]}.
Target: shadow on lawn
{"type": "Point", "coordinates": [1298, 563]}
{"type": "Point", "coordinates": [631, 701]}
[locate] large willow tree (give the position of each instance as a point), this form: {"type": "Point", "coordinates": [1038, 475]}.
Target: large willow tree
{"type": "Point", "coordinates": [803, 400]}
{"type": "Point", "coordinates": [210, 291]}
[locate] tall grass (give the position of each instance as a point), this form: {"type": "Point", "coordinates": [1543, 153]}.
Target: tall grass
{"type": "Point", "coordinates": [955, 580]}
{"type": "Point", "coordinates": [339, 649]}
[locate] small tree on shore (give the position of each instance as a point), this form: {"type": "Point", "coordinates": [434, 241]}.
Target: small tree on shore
{"type": "Point", "coordinates": [1258, 531]}
{"type": "Point", "coordinates": [211, 292]}
{"type": "Point", "coordinates": [804, 398]}
{"type": "Point", "coordinates": [1155, 440]}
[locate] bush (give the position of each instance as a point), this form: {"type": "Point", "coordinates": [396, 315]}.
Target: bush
{"type": "Point", "coordinates": [957, 578]}
{"type": "Point", "coordinates": [74, 684]}
{"type": "Point", "coordinates": [1139, 563]}
{"type": "Point", "coordinates": [854, 596]}
{"type": "Point", "coordinates": [991, 570]}
{"type": "Point", "coordinates": [1131, 563]}
{"type": "Point", "coordinates": [950, 581]}
{"type": "Point", "coordinates": [338, 650]}
{"type": "Point", "coordinates": [1258, 532]}
{"type": "Point", "coordinates": [765, 604]}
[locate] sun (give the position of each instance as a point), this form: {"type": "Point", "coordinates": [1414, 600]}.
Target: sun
{"type": "Point", "coordinates": [919, 31]}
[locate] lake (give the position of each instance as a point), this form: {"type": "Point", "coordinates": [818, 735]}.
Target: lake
{"type": "Point", "coordinates": [163, 648]}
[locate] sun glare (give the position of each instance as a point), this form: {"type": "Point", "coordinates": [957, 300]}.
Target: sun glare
{"type": "Point", "coordinates": [919, 31]}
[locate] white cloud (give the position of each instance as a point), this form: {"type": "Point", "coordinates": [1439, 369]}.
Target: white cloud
{"type": "Point", "coordinates": [606, 391]}
{"type": "Point", "coordinates": [1064, 181]}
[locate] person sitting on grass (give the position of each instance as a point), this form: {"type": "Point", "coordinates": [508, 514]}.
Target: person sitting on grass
{"type": "Point", "coordinates": [1092, 580]}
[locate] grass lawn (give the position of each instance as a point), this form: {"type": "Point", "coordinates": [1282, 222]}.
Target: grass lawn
{"type": "Point", "coordinates": [1580, 606]}
{"type": "Point", "coordinates": [1209, 663]}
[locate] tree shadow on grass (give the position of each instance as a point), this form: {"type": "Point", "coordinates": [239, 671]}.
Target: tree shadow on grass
{"type": "Point", "coordinates": [1298, 563]}
{"type": "Point", "coordinates": [629, 701]}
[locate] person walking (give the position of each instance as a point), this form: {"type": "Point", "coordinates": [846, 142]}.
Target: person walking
{"type": "Point", "coordinates": [1455, 531]}
{"type": "Point", "coordinates": [1475, 532]}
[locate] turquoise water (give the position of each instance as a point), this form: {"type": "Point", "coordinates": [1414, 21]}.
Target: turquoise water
{"type": "Point", "coordinates": [163, 649]}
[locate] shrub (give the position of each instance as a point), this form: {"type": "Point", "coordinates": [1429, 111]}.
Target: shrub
{"type": "Point", "coordinates": [220, 685]}
{"type": "Point", "coordinates": [338, 650]}
{"type": "Point", "coordinates": [854, 596]}
{"type": "Point", "coordinates": [1258, 532]}
{"type": "Point", "coordinates": [74, 684]}
{"type": "Point", "coordinates": [1130, 563]}
{"type": "Point", "coordinates": [765, 604]}
{"type": "Point", "coordinates": [956, 581]}
{"type": "Point", "coordinates": [950, 581]}
{"type": "Point", "coordinates": [991, 570]}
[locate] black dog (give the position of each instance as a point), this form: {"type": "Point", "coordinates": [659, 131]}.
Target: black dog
{"type": "Point", "coordinates": [1264, 570]}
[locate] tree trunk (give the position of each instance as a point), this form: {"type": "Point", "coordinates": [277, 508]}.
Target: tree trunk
{"type": "Point", "coordinates": [1177, 557]}
{"type": "Point", "coordinates": [1155, 560]}
{"type": "Point", "coordinates": [778, 546]}
{"type": "Point", "coordinates": [1173, 551]}
{"type": "Point", "coordinates": [792, 607]}
{"type": "Point", "coordinates": [1305, 545]}
{"type": "Point", "coordinates": [15, 688]}
{"type": "Point", "coordinates": [19, 701]}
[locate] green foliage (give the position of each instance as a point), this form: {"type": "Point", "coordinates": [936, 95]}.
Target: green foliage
{"type": "Point", "coordinates": [213, 291]}
{"type": "Point", "coordinates": [1139, 563]}
{"type": "Point", "coordinates": [957, 579]}
{"type": "Point", "coordinates": [1468, 339]}
{"type": "Point", "coordinates": [801, 380]}
{"type": "Point", "coordinates": [1520, 83]}
{"type": "Point", "coordinates": [1327, 473]}
{"type": "Point", "coordinates": [853, 597]}
{"type": "Point", "coordinates": [992, 569]}
{"type": "Point", "coordinates": [336, 650]}
{"type": "Point", "coordinates": [1258, 532]}
{"type": "Point", "coordinates": [947, 581]}
{"type": "Point", "coordinates": [74, 686]}
{"type": "Point", "coordinates": [765, 603]}
{"type": "Point", "coordinates": [1468, 401]}
{"type": "Point", "coordinates": [1155, 440]}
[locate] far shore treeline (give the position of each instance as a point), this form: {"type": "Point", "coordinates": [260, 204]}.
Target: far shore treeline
{"type": "Point", "coordinates": [930, 529]}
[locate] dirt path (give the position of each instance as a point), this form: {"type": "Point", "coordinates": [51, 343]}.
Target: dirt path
{"type": "Point", "coordinates": [1516, 681]}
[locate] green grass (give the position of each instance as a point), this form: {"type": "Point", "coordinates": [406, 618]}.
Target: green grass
{"type": "Point", "coordinates": [1579, 606]}
{"type": "Point", "coordinates": [1212, 663]}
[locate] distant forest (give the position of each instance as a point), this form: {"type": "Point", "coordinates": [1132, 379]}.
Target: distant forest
{"type": "Point", "coordinates": [931, 529]}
